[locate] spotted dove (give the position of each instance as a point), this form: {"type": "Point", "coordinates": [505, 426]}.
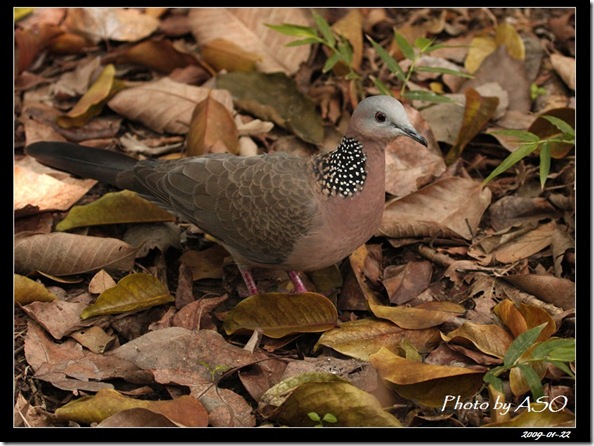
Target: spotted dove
{"type": "Point", "coordinates": [274, 210]}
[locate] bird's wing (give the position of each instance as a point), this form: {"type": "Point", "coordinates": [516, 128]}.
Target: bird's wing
{"type": "Point", "coordinates": [257, 206]}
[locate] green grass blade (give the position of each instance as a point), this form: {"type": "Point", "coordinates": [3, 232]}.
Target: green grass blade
{"type": "Point", "coordinates": [532, 379]}
{"type": "Point", "coordinates": [560, 124]}
{"type": "Point", "coordinates": [390, 62]}
{"type": "Point", "coordinates": [443, 71]}
{"type": "Point", "coordinates": [522, 152]}
{"type": "Point", "coordinates": [325, 29]}
{"type": "Point", "coordinates": [404, 46]}
{"type": "Point", "coordinates": [521, 344]}
{"type": "Point", "coordinates": [545, 163]}
{"type": "Point", "coordinates": [429, 96]}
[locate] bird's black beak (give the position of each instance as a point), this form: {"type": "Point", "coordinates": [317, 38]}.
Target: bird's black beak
{"type": "Point", "coordinates": [413, 134]}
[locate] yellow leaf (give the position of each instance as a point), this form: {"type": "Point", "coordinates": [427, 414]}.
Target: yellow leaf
{"type": "Point", "coordinates": [92, 102]}
{"type": "Point", "coordinates": [428, 384]}
{"type": "Point", "coordinates": [114, 208]}
{"type": "Point", "coordinates": [363, 337]}
{"type": "Point", "coordinates": [490, 339]}
{"type": "Point", "coordinates": [480, 47]}
{"type": "Point", "coordinates": [411, 317]}
{"type": "Point", "coordinates": [506, 35]}
{"type": "Point", "coordinates": [351, 406]}
{"type": "Point", "coordinates": [223, 54]}
{"type": "Point", "coordinates": [133, 293]}
{"type": "Point", "coordinates": [27, 291]}
{"type": "Point", "coordinates": [184, 411]}
{"type": "Point", "coordinates": [278, 315]}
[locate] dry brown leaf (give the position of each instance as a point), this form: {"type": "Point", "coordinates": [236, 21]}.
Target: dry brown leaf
{"type": "Point", "coordinates": [223, 54]}
{"type": "Point", "coordinates": [413, 318]}
{"type": "Point", "coordinates": [44, 192]}
{"type": "Point", "coordinates": [405, 282]}
{"type": "Point", "coordinates": [521, 317]}
{"type": "Point", "coordinates": [429, 384]}
{"type": "Point", "coordinates": [59, 318]}
{"type": "Point", "coordinates": [196, 315]}
{"type": "Point", "coordinates": [225, 407]}
{"type": "Point", "coordinates": [212, 130]}
{"type": "Point", "coordinates": [94, 338]}
{"type": "Point", "coordinates": [351, 28]}
{"type": "Point", "coordinates": [246, 27]}
{"type": "Point", "coordinates": [30, 42]}
{"type": "Point", "coordinates": [164, 105]}
{"type": "Point", "coordinates": [60, 254]}
{"type": "Point", "coordinates": [351, 406]}
{"type": "Point", "coordinates": [101, 282]}
{"type": "Point", "coordinates": [121, 24]}
{"type": "Point", "coordinates": [525, 245]}
{"type": "Point", "coordinates": [158, 55]}
{"type": "Point", "coordinates": [538, 415]}
{"type": "Point", "coordinates": [451, 207]}
{"type": "Point", "coordinates": [278, 314]}
{"type": "Point", "coordinates": [514, 210]}
{"type": "Point", "coordinates": [363, 337]}
{"type": "Point", "coordinates": [490, 338]}
{"type": "Point", "coordinates": [550, 289]}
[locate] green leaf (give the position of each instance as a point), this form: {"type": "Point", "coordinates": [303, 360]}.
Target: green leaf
{"type": "Point", "coordinates": [294, 30]}
{"type": "Point", "coordinates": [518, 134]}
{"type": "Point", "coordinates": [437, 46]}
{"type": "Point", "coordinates": [325, 29]}
{"type": "Point", "coordinates": [390, 62]}
{"type": "Point", "coordinates": [564, 367]}
{"type": "Point", "coordinates": [383, 88]}
{"type": "Point", "coordinates": [443, 71]}
{"type": "Point", "coordinates": [560, 124]}
{"type": "Point", "coordinates": [555, 349]}
{"type": "Point", "coordinates": [305, 42]}
{"type": "Point", "coordinates": [429, 96]}
{"type": "Point", "coordinates": [346, 51]}
{"type": "Point", "coordinates": [521, 344]}
{"type": "Point", "coordinates": [545, 163]}
{"type": "Point", "coordinates": [532, 379]}
{"type": "Point", "coordinates": [330, 418]}
{"type": "Point", "coordinates": [404, 46]}
{"type": "Point", "coordinates": [491, 378]}
{"type": "Point", "coordinates": [313, 416]}
{"type": "Point", "coordinates": [331, 61]}
{"type": "Point", "coordinates": [423, 43]}
{"type": "Point", "coordinates": [522, 152]}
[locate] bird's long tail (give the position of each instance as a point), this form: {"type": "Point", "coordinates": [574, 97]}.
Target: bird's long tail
{"type": "Point", "coordinates": [104, 165]}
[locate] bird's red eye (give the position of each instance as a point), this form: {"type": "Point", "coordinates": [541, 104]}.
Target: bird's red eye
{"type": "Point", "coordinates": [380, 117]}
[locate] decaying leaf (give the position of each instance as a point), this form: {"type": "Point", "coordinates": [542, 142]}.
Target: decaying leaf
{"type": "Point", "coordinates": [61, 254]}
{"type": "Point", "coordinates": [351, 406]}
{"type": "Point", "coordinates": [183, 411]}
{"type": "Point", "coordinates": [451, 207]}
{"type": "Point", "coordinates": [278, 315]}
{"type": "Point", "coordinates": [275, 97]}
{"type": "Point", "coordinates": [159, 55]}
{"type": "Point", "coordinates": [246, 27]}
{"type": "Point", "coordinates": [133, 293]}
{"type": "Point", "coordinates": [91, 103]}
{"type": "Point", "coordinates": [429, 384]}
{"type": "Point", "coordinates": [27, 291]}
{"type": "Point", "coordinates": [483, 45]}
{"type": "Point", "coordinates": [223, 54]}
{"type": "Point", "coordinates": [164, 105]}
{"type": "Point", "coordinates": [114, 208]}
{"type": "Point", "coordinates": [207, 263]}
{"type": "Point", "coordinates": [488, 338]}
{"type": "Point", "coordinates": [212, 130]}
{"type": "Point", "coordinates": [416, 318]}
{"type": "Point", "coordinates": [363, 337]}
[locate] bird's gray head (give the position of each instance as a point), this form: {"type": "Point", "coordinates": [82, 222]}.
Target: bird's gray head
{"type": "Point", "coordinates": [382, 118]}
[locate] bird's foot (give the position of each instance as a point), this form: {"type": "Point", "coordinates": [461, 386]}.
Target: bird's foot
{"type": "Point", "coordinates": [297, 282]}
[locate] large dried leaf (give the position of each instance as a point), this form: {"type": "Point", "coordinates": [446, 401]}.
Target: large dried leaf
{"type": "Point", "coordinates": [183, 411]}
{"type": "Point", "coordinates": [158, 55]}
{"type": "Point", "coordinates": [223, 54]}
{"type": "Point", "coordinates": [121, 24]}
{"type": "Point", "coordinates": [30, 42]}
{"type": "Point", "coordinates": [225, 407]}
{"type": "Point", "coordinates": [483, 45]}
{"type": "Point", "coordinates": [133, 293]}
{"type": "Point", "coordinates": [275, 97]}
{"type": "Point", "coordinates": [351, 406]}
{"type": "Point", "coordinates": [405, 282]}
{"type": "Point", "coordinates": [363, 337]}
{"type": "Point", "coordinates": [545, 129]}
{"type": "Point", "coordinates": [207, 263]}
{"type": "Point", "coordinates": [415, 318]}
{"type": "Point", "coordinates": [478, 111]}
{"type": "Point", "coordinates": [522, 317]}
{"type": "Point", "coordinates": [193, 356]}
{"type": "Point", "coordinates": [278, 315]}
{"type": "Point", "coordinates": [60, 254]}
{"type": "Point", "coordinates": [27, 291]}
{"type": "Point", "coordinates": [212, 130]}
{"type": "Point", "coordinates": [489, 338]}
{"type": "Point", "coordinates": [247, 28]}
{"type": "Point", "coordinates": [59, 318]}
{"type": "Point", "coordinates": [114, 208]}
{"type": "Point", "coordinates": [43, 192]}
{"type": "Point", "coordinates": [91, 103]}
{"type": "Point", "coordinates": [565, 68]}
{"type": "Point", "coordinates": [429, 384]}
{"type": "Point", "coordinates": [550, 289]}
{"type": "Point", "coordinates": [165, 105]}
{"type": "Point", "coordinates": [451, 207]}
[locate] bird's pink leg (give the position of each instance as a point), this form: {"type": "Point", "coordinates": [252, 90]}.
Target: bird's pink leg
{"type": "Point", "coordinates": [297, 282]}
{"type": "Point", "coordinates": [249, 280]}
